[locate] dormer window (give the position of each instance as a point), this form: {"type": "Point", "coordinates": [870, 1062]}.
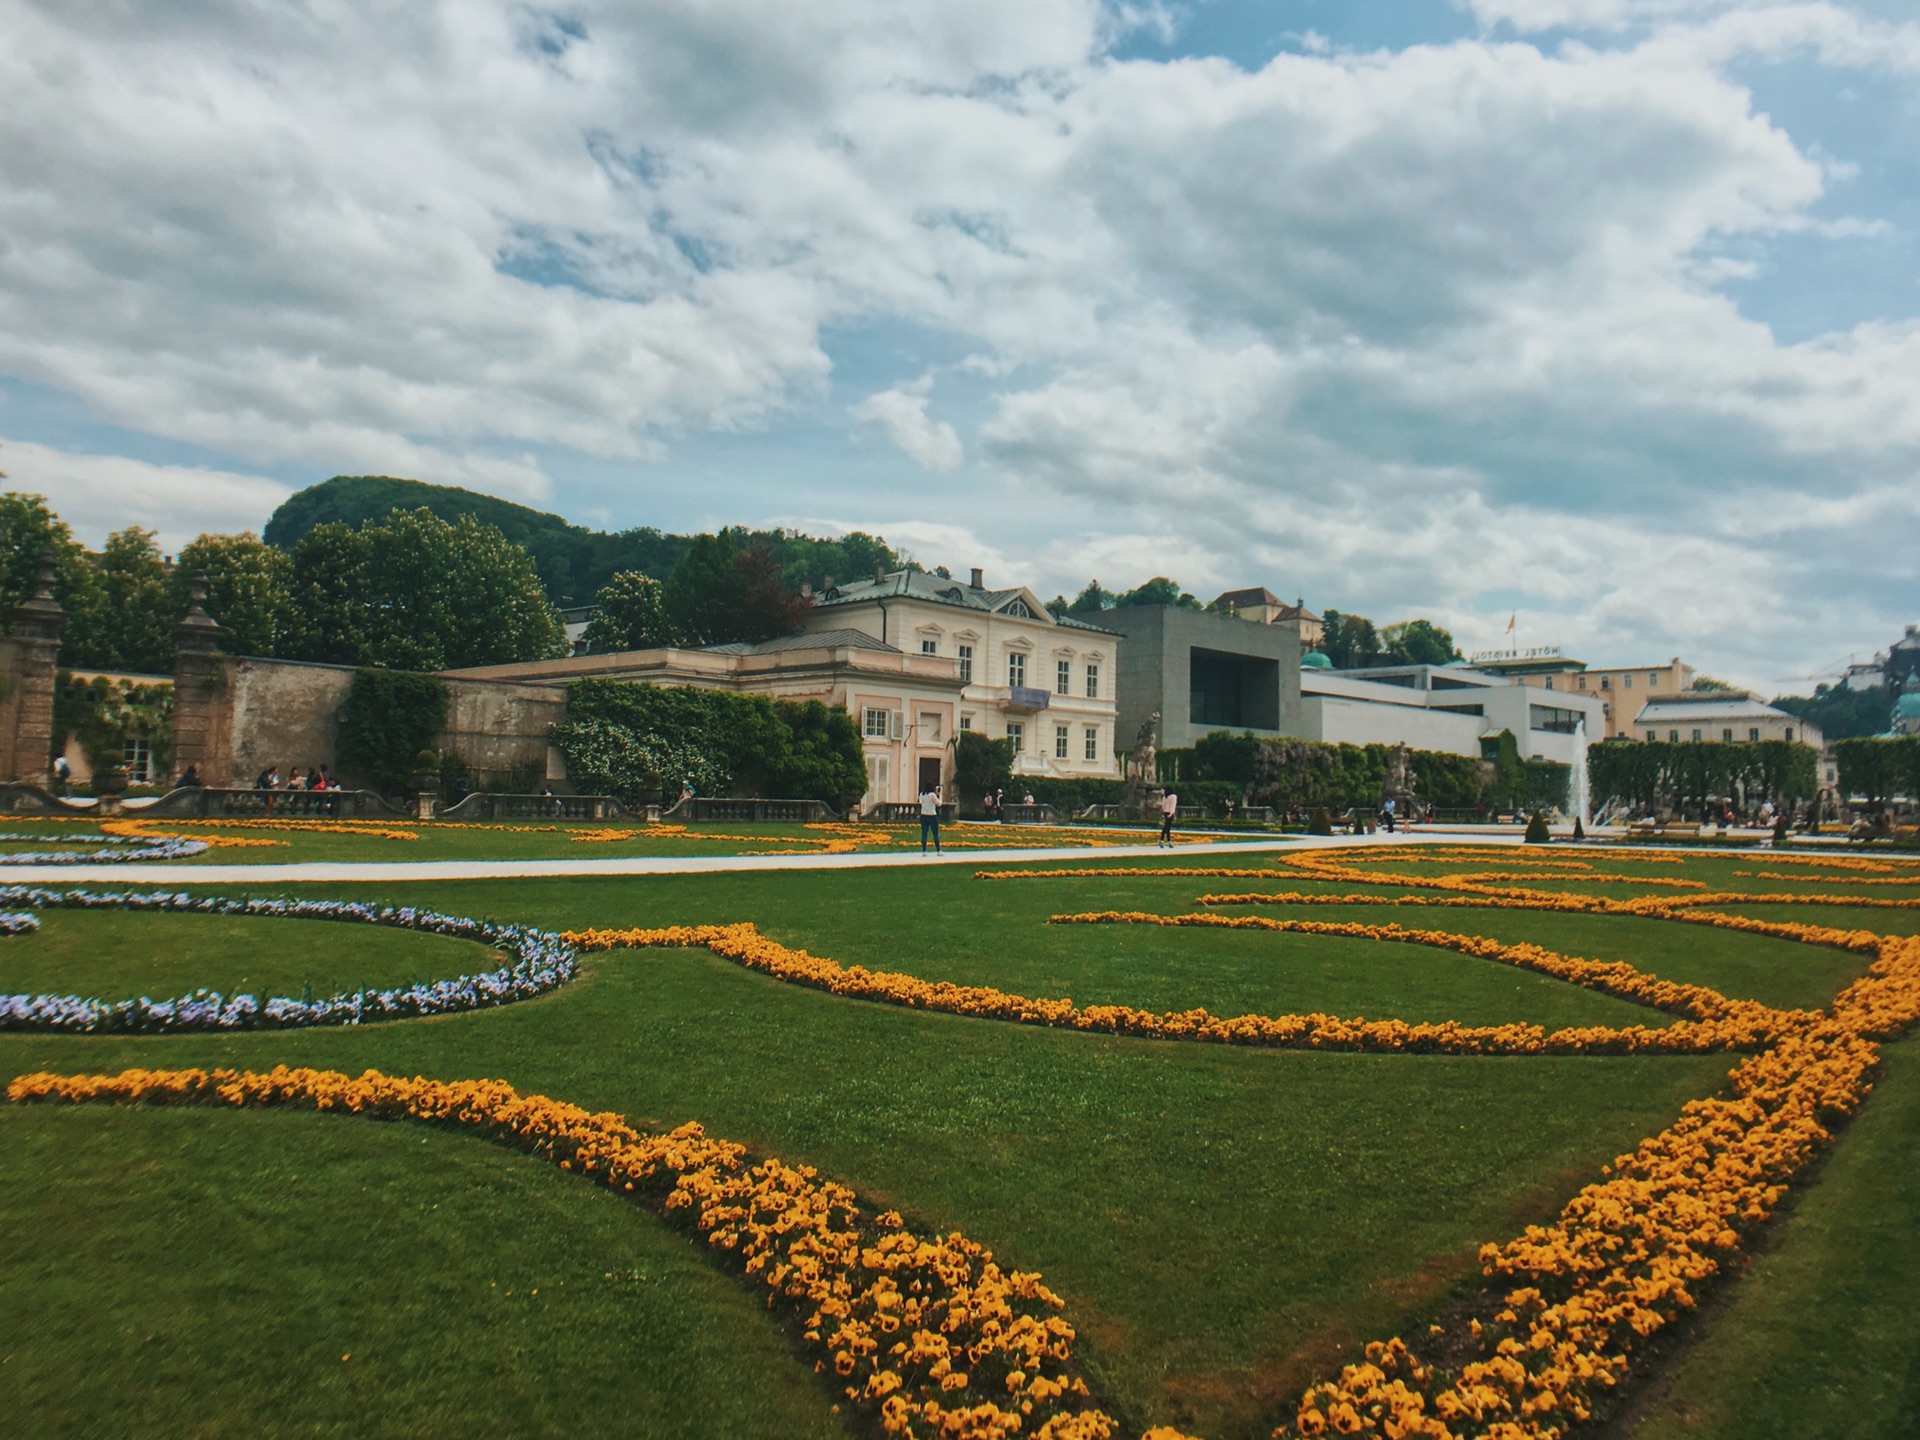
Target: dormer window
{"type": "Point", "coordinates": [1018, 609]}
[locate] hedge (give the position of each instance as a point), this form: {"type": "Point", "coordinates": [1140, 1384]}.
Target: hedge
{"type": "Point", "coordinates": [1646, 772]}
{"type": "Point", "coordinates": [390, 717]}
{"type": "Point", "coordinates": [1879, 767]}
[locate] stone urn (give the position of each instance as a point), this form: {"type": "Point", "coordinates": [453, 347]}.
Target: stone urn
{"type": "Point", "coordinates": [111, 782]}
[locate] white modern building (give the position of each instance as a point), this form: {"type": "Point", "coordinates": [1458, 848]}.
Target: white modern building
{"type": "Point", "coordinates": [1451, 708]}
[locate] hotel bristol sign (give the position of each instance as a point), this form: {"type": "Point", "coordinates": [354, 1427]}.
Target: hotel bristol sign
{"type": "Point", "coordinates": [1538, 652]}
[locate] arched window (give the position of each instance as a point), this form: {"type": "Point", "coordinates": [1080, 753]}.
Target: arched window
{"type": "Point", "coordinates": [1018, 609]}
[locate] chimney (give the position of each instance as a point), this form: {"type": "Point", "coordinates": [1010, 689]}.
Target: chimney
{"type": "Point", "coordinates": [979, 578]}
{"type": "Point", "coordinates": [879, 574]}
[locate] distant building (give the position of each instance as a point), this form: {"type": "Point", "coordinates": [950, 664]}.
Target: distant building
{"type": "Point", "coordinates": [1046, 682]}
{"type": "Point", "coordinates": [1263, 607]}
{"type": "Point", "coordinates": [1720, 715]}
{"type": "Point", "coordinates": [1906, 714]}
{"type": "Point", "coordinates": [1206, 671]}
{"type": "Point", "coordinates": [1621, 691]}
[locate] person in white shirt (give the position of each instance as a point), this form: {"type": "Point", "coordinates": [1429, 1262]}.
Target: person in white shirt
{"type": "Point", "coordinates": [930, 818]}
{"type": "Point", "coordinates": [1169, 808]}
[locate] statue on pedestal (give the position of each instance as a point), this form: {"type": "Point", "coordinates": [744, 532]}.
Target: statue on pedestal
{"type": "Point", "coordinates": [1143, 765]}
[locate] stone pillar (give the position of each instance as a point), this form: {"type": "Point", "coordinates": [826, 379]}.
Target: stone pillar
{"type": "Point", "coordinates": [28, 655]}
{"type": "Point", "coordinates": [202, 695]}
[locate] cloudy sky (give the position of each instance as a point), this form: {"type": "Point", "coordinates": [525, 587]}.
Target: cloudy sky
{"type": "Point", "coordinates": [1604, 312]}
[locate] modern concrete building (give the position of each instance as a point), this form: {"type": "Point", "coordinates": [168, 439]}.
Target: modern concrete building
{"type": "Point", "coordinates": [1202, 671]}
{"type": "Point", "coordinates": [1453, 708]}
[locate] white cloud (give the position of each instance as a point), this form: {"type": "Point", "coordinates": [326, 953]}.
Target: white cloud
{"type": "Point", "coordinates": [1402, 329]}
{"type": "Point", "coordinates": [98, 494]}
{"type": "Point", "coordinates": [901, 416]}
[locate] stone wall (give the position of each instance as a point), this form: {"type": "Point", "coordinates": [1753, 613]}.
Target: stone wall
{"type": "Point", "coordinates": [27, 657]}
{"type": "Point", "coordinates": [498, 728]}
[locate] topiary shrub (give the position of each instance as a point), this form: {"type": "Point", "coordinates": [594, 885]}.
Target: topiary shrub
{"type": "Point", "coordinates": [1537, 832]}
{"type": "Point", "coordinates": [1319, 823]}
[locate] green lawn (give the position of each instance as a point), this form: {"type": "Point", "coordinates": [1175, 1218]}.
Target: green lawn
{"type": "Point", "coordinates": [112, 955]}
{"type": "Point", "coordinates": [1224, 1223]}
{"type": "Point", "coordinates": [534, 840]}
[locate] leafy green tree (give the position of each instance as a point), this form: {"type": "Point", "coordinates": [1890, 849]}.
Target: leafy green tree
{"type": "Point", "coordinates": [1351, 642]}
{"type": "Point", "coordinates": [28, 531]}
{"type": "Point", "coordinates": [1418, 642]}
{"type": "Point", "coordinates": [720, 593]}
{"type": "Point", "coordinates": [1709, 685]}
{"type": "Point", "coordinates": [138, 620]}
{"type": "Point", "coordinates": [389, 719]}
{"type": "Point", "coordinates": [632, 615]}
{"type": "Point", "coordinates": [1158, 591]}
{"type": "Point", "coordinates": [1092, 599]}
{"type": "Point", "coordinates": [412, 592]}
{"type": "Point", "coordinates": [980, 766]}
{"type": "Point", "coordinates": [1842, 712]}
{"type": "Point", "coordinates": [247, 590]}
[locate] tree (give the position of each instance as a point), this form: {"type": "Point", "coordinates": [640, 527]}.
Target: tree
{"type": "Point", "coordinates": [247, 590]}
{"type": "Point", "coordinates": [1351, 642]}
{"type": "Point", "coordinates": [1841, 712]}
{"type": "Point", "coordinates": [1092, 600]}
{"type": "Point", "coordinates": [138, 619]}
{"type": "Point", "coordinates": [1418, 642]}
{"type": "Point", "coordinates": [29, 531]}
{"type": "Point", "coordinates": [1158, 591]}
{"type": "Point", "coordinates": [980, 765]}
{"type": "Point", "coordinates": [412, 592]}
{"type": "Point", "coordinates": [632, 615]}
{"type": "Point", "coordinates": [720, 593]}
{"type": "Point", "coordinates": [1708, 685]}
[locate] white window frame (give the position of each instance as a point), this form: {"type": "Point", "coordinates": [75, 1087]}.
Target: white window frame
{"type": "Point", "coordinates": [1017, 733]}
{"type": "Point", "coordinates": [1063, 677]}
{"type": "Point", "coordinates": [966, 664]}
{"type": "Point", "coordinates": [1093, 682]}
{"type": "Point", "coordinates": [1016, 669]}
{"type": "Point", "coordinates": [1061, 739]}
{"type": "Point", "coordinates": [874, 722]}
{"type": "Point", "coordinates": [1092, 746]}
{"type": "Point", "coordinates": [136, 755]}
{"type": "Point", "coordinates": [929, 645]}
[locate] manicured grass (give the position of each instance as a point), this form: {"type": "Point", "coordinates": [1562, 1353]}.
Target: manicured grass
{"type": "Point", "coordinates": [535, 840]}
{"type": "Point", "coordinates": [114, 954]}
{"type": "Point", "coordinates": [1819, 1342]}
{"type": "Point", "coordinates": [1226, 1224]}
{"type": "Point", "coordinates": [243, 1274]}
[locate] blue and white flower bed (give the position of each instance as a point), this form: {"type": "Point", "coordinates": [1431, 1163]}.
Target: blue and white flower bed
{"type": "Point", "coordinates": [141, 847]}
{"type": "Point", "coordinates": [539, 961]}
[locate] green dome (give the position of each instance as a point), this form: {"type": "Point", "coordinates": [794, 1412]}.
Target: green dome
{"type": "Point", "coordinates": [1907, 707]}
{"type": "Point", "coordinates": [1314, 660]}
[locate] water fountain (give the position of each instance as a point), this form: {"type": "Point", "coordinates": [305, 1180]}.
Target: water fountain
{"type": "Point", "coordinates": [1577, 787]}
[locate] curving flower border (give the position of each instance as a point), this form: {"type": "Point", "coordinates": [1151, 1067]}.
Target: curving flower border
{"type": "Point", "coordinates": [150, 847]}
{"type": "Point", "coordinates": [924, 1333]}
{"type": "Point", "coordinates": [538, 962]}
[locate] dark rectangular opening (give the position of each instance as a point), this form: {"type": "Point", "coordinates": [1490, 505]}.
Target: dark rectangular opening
{"type": "Point", "coordinates": [1230, 692]}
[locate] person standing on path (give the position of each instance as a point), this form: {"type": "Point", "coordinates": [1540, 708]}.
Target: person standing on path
{"type": "Point", "coordinates": [1169, 808]}
{"type": "Point", "coordinates": [930, 818]}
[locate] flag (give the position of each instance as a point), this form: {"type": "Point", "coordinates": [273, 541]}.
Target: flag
{"type": "Point", "coordinates": [1510, 619]}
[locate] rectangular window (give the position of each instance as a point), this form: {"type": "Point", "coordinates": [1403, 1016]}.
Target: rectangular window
{"type": "Point", "coordinates": [1581, 681]}
{"type": "Point", "coordinates": [929, 647]}
{"type": "Point", "coordinates": [1626, 682]}
{"type": "Point", "coordinates": [966, 664]}
{"type": "Point", "coordinates": [873, 723]}
{"type": "Point", "coordinates": [1652, 735]}
{"type": "Point", "coordinates": [1549, 682]}
{"type": "Point", "coordinates": [1059, 742]}
{"type": "Point", "coordinates": [1726, 734]}
{"type": "Point", "coordinates": [966, 724]}
{"type": "Point", "coordinates": [137, 756]}
{"type": "Point", "coordinates": [1653, 680]}
{"type": "Point", "coordinates": [1093, 682]}
{"type": "Point", "coordinates": [1016, 669]}
{"type": "Point", "coordinates": [1063, 677]}
{"type": "Point", "coordinates": [1753, 734]}
{"type": "Point", "coordinates": [1789, 734]}
{"type": "Point", "coordinates": [1673, 737]}
{"type": "Point", "coordinates": [1092, 743]}
{"type": "Point", "coordinates": [1606, 683]}
{"type": "Point", "coordinates": [1017, 733]}
{"type": "Point", "coordinates": [1696, 735]}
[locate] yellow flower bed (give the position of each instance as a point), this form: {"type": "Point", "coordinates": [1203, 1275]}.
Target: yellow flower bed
{"type": "Point", "coordinates": [925, 1333]}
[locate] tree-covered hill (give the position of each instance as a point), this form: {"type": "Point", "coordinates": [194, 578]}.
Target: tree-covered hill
{"type": "Point", "coordinates": [574, 562]}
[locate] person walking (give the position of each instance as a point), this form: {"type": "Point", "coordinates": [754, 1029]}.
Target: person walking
{"type": "Point", "coordinates": [1000, 806]}
{"type": "Point", "coordinates": [1169, 809]}
{"type": "Point", "coordinates": [62, 774]}
{"type": "Point", "coordinates": [930, 818]}
{"type": "Point", "coordinates": [1386, 812]}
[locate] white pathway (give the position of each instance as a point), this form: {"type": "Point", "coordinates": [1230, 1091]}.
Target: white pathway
{"type": "Point", "coordinates": [381, 872]}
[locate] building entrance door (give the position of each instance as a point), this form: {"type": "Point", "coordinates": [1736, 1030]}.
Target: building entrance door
{"type": "Point", "coordinates": [929, 774]}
